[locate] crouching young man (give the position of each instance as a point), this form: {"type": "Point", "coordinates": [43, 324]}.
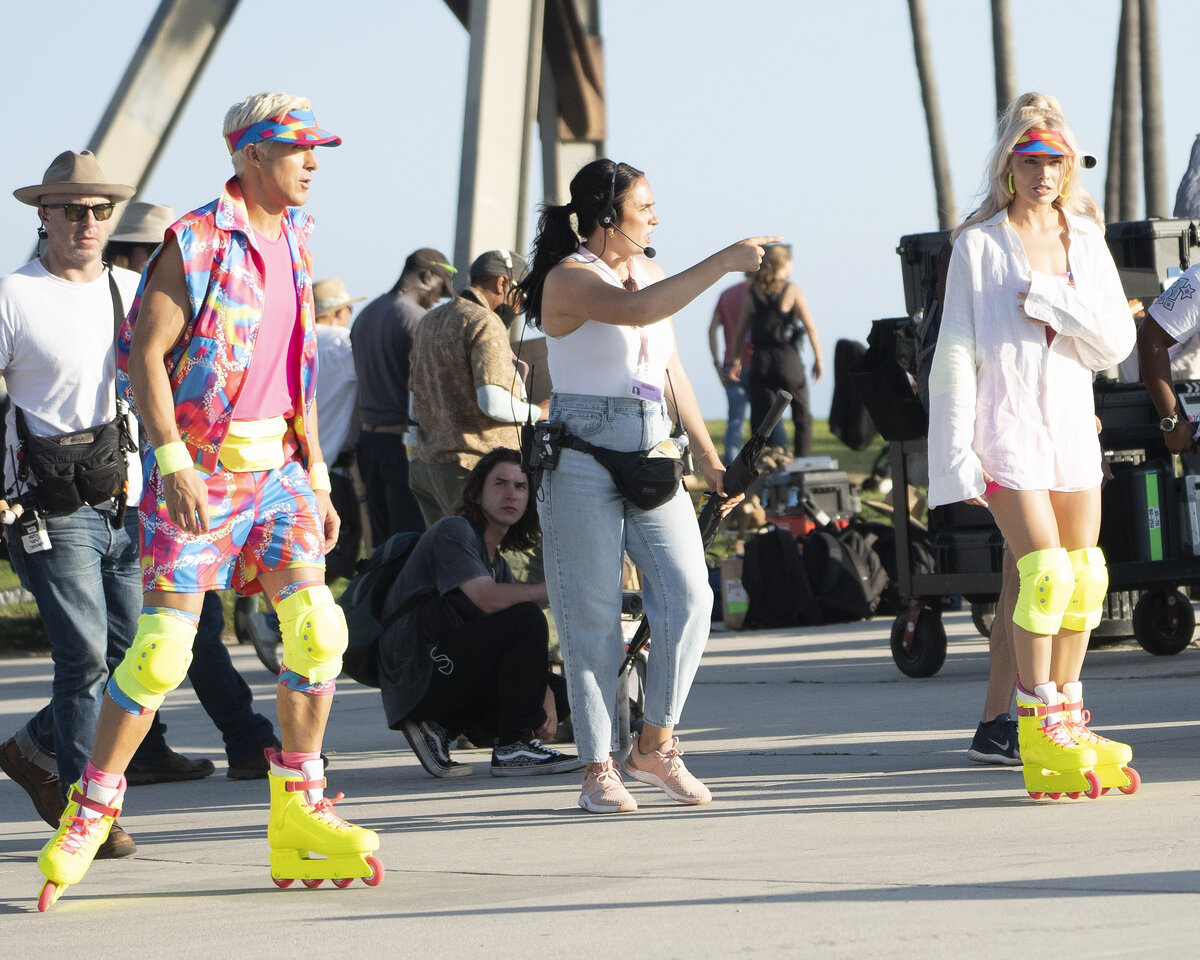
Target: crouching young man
{"type": "Point", "coordinates": [469, 649]}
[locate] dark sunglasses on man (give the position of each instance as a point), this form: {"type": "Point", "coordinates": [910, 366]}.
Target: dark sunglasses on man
{"type": "Point", "coordinates": [74, 212]}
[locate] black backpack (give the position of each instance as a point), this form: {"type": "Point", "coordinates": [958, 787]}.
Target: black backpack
{"type": "Point", "coordinates": [776, 583]}
{"type": "Point", "coordinates": [362, 603]}
{"type": "Point", "coordinates": [845, 574]}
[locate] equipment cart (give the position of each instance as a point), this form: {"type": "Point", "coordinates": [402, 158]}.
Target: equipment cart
{"type": "Point", "coordinates": [1150, 533]}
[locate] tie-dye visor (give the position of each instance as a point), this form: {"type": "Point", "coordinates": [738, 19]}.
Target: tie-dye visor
{"type": "Point", "coordinates": [295, 126]}
{"type": "Point", "coordinates": [1047, 142]}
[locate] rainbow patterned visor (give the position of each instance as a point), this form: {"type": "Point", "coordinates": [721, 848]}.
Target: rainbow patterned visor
{"type": "Point", "coordinates": [1049, 142]}
{"type": "Point", "coordinates": [296, 126]}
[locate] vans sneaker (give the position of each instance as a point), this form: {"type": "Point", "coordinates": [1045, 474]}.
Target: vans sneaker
{"type": "Point", "coordinates": [665, 770]}
{"type": "Point", "coordinates": [528, 758]}
{"type": "Point", "coordinates": [431, 744]}
{"type": "Point", "coordinates": [604, 792]}
{"type": "Point", "coordinates": [996, 742]}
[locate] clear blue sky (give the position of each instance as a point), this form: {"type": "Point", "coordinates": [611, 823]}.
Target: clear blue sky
{"type": "Point", "coordinates": [795, 117]}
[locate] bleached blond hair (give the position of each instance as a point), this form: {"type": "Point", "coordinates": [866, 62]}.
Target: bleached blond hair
{"type": "Point", "coordinates": [252, 110]}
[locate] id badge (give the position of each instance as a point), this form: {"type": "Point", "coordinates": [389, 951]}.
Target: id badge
{"type": "Point", "coordinates": [640, 386]}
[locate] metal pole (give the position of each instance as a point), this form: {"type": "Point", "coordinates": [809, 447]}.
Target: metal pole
{"type": "Point", "coordinates": [1130, 27]}
{"type": "Point", "coordinates": [533, 76]}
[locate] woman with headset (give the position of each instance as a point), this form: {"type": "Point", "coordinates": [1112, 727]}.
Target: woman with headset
{"type": "Point", "coordinates": [606, 310]}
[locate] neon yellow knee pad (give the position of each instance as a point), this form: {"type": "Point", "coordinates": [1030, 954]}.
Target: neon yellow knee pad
{"type": "Point", "coordinates": [1091, 587]}
{"type": "Point", "coordinates": [314, 634]}
{"type": "Point", "coordinates": [157, 660]}
{"type": "Point", "coordinates": [1047, 579]}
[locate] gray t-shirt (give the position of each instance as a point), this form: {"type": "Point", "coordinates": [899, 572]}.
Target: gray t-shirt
{"type": "Point", "coordinates": [382, 337]}
{"type": "Point", "coordinates": [448, 555]}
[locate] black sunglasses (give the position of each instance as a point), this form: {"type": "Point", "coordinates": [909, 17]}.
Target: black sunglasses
{"type": "Point", "coordinates": [74, 212]}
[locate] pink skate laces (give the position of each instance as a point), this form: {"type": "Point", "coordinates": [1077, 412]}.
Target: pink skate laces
{"type": "Point", "coordinates": [84, 828]}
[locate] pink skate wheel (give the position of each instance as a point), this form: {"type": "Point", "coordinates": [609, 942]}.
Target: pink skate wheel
{"type": "Point", "coordinates": [1054, 796]}
{"type": "Point", "coordinates": [312, 884]}
{"type": "Point", "coordinates": [1135, 781]}
{"type": "Point", "coordinates": [1075, 794]}
{"type": "Point", "coordinates": [47, 896]}
{"type": "Point", "coordinates": [1035, 795]}
{"type": "Point", "coordinates": [282, 882]}
{"type": "Point", "coordinates": [343, 882]}
{"type": "Point", "coordinates": [376, 877]}
{"type": "Point", "coordinates": [1094, 788]}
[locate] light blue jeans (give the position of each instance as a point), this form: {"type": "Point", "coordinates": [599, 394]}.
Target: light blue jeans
{"type": "Point", "coordinates": [587, 527]}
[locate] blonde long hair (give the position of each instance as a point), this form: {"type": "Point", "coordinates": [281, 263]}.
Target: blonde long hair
{"type": "Point", "coordinates": [773, 273]}
{"type": "Point", "coordinates": [1027, 112]}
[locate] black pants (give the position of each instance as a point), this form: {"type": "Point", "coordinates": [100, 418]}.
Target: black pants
{"type": "Point", "coordinates": [490, 677]}
{"type": "Point", "coordinates": [773, 368]}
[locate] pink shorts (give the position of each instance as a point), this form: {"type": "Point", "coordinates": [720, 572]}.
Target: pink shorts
{"type": "Point", "coordinates": [991, 487]}
{"type": "Point", "coordinates": [258, 521]}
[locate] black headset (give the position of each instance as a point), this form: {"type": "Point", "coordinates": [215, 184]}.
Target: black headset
{"type": "Point", "coordinates": [609, 217]}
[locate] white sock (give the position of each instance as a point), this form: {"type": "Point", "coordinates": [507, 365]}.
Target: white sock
{"type": "Point", "coordinates": [313, 770]}
{"type": "Point", "coordinates": [104, 795]}
{"type": "Point", "coordinates": [1073, 691]}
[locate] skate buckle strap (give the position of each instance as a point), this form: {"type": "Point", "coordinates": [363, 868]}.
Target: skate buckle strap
{"type": "Point", "coordinates": [1039, 709]}
{"type": "Point", "coordinates": [96, 805]}
{"type": "Point", "coordinates": [297, 785]}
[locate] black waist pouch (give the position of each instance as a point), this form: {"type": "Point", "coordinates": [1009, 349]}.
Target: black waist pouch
{"type": "Point", "coordinates": [71, 469]}
{"type": "Point", "coordinates": [644, 480]}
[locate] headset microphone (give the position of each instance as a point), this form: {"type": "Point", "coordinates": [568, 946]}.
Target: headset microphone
{"type": "Point", "coordinates": [608, 217]}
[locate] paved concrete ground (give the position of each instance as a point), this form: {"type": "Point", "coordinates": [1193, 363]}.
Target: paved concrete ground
{"type": "Point", "coordinates": [847, 822]}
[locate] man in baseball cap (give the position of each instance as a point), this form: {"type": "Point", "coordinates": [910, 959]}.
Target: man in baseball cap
{"type": "Point", "coordinates": [382, 338]}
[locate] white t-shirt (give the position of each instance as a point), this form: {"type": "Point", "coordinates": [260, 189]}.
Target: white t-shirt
{"type": "Point", "coordinates": [57, 356]}
{"type": "Point", "coordinates": [337, 389]}
{"type": "Point", "coordinates": [600, 359]}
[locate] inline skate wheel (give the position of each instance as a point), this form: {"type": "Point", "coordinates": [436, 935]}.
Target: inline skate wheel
{"type": "Point", "coordinates": [48, 896]}
{"type": "Point", "coordinates": [1054, 796]}
{"type": "Point", "coordinates": [1094, 788]}
{"type": "Point", "coordinates": [312, 884]}
{"type": "Point", "coordinates": [282, 882]}
{"type": "Point", "coordinates": [1075, 794]}
{"type": "Point", "coordinates": [342, 882]}
{"type": "Point", "coordinates": [376, 877]}
{"type": "Point", "coordinates": [1104, 790]}
{"type": "Point", "coordinates": [1135, 781]}
{"type": "Point", "coordinates": [1035, 795]}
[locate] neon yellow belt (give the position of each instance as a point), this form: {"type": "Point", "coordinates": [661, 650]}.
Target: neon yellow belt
{"type": "Point", "coordinates": [254, 445]}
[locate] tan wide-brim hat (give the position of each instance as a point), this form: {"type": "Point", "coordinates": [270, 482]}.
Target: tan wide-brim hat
{"type": "Point", "coordinates": [73, 172]}
{"type": "Point", "coordinates": [331, 294]}
{"type": "Point", "coordinates": [143, 223]}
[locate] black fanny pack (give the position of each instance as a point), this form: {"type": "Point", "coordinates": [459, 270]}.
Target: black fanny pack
{"type": "Point", "coordinates": [644, 478]}
{"type": "Point", "coordinates": [73, 469]}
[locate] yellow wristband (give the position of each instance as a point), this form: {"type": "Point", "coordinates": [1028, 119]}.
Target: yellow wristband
{"type": "Point", "coordinates": [172, 457]}
{"type": "Point", "coordinates": [318, 477]}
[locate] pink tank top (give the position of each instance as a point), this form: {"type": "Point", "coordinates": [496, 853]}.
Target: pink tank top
{"type": "Point", "coordinates": [269, 391]}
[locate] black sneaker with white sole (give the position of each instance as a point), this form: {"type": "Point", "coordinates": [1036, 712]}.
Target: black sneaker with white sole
{"type": "Point", "coordinates": [431, 744]}
{"type": "Point", "coordinates": [528, 758]}
{"type": "Point", "coordinates": [996, 742]}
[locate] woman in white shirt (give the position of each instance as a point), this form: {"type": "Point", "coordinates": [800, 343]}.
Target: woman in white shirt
{"type": "Point", "coordinates": [1033, 306]}
{"type": "Point", "coordinates": [606, 310]}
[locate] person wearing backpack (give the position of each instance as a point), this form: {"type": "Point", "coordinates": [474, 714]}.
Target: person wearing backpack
{"type": "Point", "coordinates": [465, 648]}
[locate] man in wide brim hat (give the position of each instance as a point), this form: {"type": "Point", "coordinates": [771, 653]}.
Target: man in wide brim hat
{"type": "Point", "coordinates": [74, 173]}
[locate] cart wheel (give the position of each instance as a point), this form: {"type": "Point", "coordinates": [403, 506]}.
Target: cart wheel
{"type": "Point", "coordinates": [919, 652]}
{"type": "Point", "coordinates": [982, 615]}
{"type": "Point", "coordinates": [1163, 622]}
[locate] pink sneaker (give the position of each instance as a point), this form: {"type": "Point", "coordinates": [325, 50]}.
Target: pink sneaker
{"type": "Point", "coordinates": [604, 791]}
{"type": "Point", "coordinates": [665, 769]}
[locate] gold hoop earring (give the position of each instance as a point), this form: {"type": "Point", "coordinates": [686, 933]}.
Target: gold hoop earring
{"type": "Point", "coordinates": [1011, 188]}
{"type": "Point", "coordinates": [1061, 194]}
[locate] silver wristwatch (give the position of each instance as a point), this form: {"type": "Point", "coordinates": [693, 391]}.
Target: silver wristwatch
{"type": "Point", "coordinates": [1167, 424]}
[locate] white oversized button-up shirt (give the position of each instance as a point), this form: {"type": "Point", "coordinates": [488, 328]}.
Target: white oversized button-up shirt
{"type": "Point", "coordinates": [1001, 399]}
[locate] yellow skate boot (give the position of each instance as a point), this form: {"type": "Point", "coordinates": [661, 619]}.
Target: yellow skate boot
{"type": "Point", "coordinates": [1112, 756]}
{"type": "Point", "coordinates": [308, 840]}
{"type": "Point", "coordinates": [1052, 761]}
{"type": "Point", "coordinates": [66, 857]}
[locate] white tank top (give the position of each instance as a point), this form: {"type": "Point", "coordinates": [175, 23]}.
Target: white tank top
{"type": "Point", "coordinates": [600, 359]}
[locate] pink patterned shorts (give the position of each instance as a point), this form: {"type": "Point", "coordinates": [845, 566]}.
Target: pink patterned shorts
{"type": "Point", "coordinates": [258, 521]}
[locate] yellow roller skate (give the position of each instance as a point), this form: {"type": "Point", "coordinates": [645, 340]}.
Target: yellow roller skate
{"type": "Point", "coordinates": [1112, 756]}
{"type": "Point", "coordinates": [66, 858]}
{"type": "Point", "coordinates": [1052, 761]}
{"type": "Point", "coordinates": [309, 841]}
